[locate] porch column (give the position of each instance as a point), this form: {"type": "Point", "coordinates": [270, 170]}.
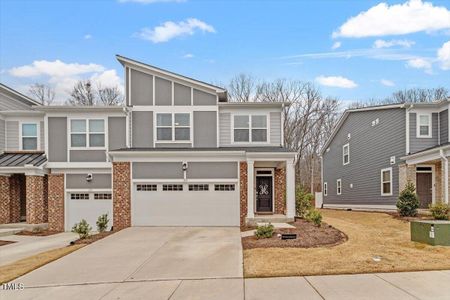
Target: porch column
{"type": "Point", "coordinates": [121, 195]}
{"type": "Point", "coordinates": [5, 200]}
{"type": "Point", "coordinates": [290, 189]}
{"type": "Point", "coordinates": [250, 189]}
{"type": "Point", "coordinates": [445, 179]}
{"type": "Point", "coordinates": [36, 199]}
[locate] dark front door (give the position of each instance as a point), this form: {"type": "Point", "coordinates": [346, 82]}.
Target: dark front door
{"type": "Point", "coordinates": [264, 193]}
{"type": "Point", "coordinates": [425, 189]}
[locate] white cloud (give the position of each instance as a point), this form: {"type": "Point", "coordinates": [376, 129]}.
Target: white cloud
{"type": "Point", "coordinates": [336, 81]}
{"type": "Point", "coordinates": [420, 63]}
{"type": "Point", "coordinates": [149, 1]}
{"type": "Point", "coordinates": [55, 68]}
{"type": "Point", "coordinates": [392, 43]}
{"type": "Point", "coordinates": [382, 19]}
{"type": "Point", "coordinates": [188, 55]}
{"type": "Point", "coordinates": [169, 30]}
{"type": "Point", "coordinates": [87, 36]}
{"type": "Point", "coordinates": [336, 45]}
{"type": "Point", "coordinates": [443, 56]}
{"type": "Point", "coordinates": [387, 82]}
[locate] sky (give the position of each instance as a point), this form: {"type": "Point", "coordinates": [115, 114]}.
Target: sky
{"type": "Point", "coordinates": [352, 50]}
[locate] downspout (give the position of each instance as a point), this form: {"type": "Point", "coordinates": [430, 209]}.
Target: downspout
{"type": "Point", "coordinates": [445, 159]}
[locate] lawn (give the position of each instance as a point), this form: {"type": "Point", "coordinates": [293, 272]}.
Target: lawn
{"type": "Point", "coordinates": [369, 235]}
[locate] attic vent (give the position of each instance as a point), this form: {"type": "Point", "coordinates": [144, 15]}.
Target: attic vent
{"type": "Point", "coordinates": [375, 122]}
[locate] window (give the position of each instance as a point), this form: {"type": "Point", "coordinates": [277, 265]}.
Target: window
{"type": "Point", "coordinates": [346, 154]}
{"type": "Point", "coordinates": [29, 136]}
{"type": "Point", "coordinates": [172, 187]}
{"type": "Point", "coordinates": [224, 187]}
{"type": "Point", "coordinates": [146, 187]}
{"type": "Point", "coordinates": [87, 133]}
{"type": "Point", "coordinates": [339, 186]}
{"type": "Point", "coordinates": [79, 196]}
{"type": "Point", "coordinates": [424, 126]}
{"type": "Point", "coordinates": [199, 187]}
{"type": "Point", "coordinates": [173, 127]}
{"type": "Point", "coordinates": [103, 196]}
{"type": "Point", "coordinates": [250, 128]}
{"type": "Point", "coordinates": [386, 182]}
{"type": "Point", "coordinates": [325, 189]}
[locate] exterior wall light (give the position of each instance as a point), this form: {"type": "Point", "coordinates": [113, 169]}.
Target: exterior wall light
{"type": "Point", "coordinates": [185, 166]}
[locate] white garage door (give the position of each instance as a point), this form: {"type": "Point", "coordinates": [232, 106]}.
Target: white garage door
{"type": "Point", "coordinates": [174, 204]}
{"type": "Point", "coordinates": [88, 206]}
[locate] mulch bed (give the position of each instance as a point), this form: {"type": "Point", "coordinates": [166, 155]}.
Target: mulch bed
{"type": "Point", "coordinates": [92, 238]}
{"type": "Point", "coordinates": [308, 236]}
{"type": "Point", "coordinates": [3, 243]}
{"type": "Point", "coordinates": [38, 233]}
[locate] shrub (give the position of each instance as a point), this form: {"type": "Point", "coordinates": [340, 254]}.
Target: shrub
{"type": "Point", "coordinates": [83, 229]}
{"type": "Point", "coordinates": [440, 211]}
{"type": "Point", "coordinates": [264, 231]}
{"type": "Point", "coordinates": [303, 202]}
{"type": "Point", "coordinates": [408, 202]}
{"type": "Point", "coordinates": [102, 222]}
{"type": "Point", "coordinates": [315, 216]}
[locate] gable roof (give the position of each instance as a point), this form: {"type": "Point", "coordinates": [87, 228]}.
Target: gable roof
{"type": "Point", "coordinates": [19, 96]}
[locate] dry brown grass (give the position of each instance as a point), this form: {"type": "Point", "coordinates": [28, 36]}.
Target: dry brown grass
{"type": "Point", "coordinates": [369, 235]}
{"type": "Point", "coordinates": [26, 265]}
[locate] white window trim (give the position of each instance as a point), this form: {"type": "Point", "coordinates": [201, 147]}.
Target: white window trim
{"type": "Point", "coordinates": [339, 187]}
{"type": "Point", "coordinates": [38, 135]}
{"type": "Point", "coordinates": [430, 125]}
{"type": "Point", "coordinates": [343, 154]}
{"type": "Point", "coordinates": [250, 129]}
{"type": "Point", "coordinates": [382, 182]}
{"type": "Point", "coordinates": [325, 189]}
{"type": "Point", "coordinates": [191, 128]}
{"type": "Point", "coordinates": [87, 147]}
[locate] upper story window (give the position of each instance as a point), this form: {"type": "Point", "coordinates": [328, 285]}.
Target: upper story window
{"type": "Point", "coordinates": [424, 126]}
{"type": "Point", "coordinates": [346, 154]}
{"type": "Point", "coordinates": [250, 128]}
{"type": "Point", "coordinates": [87, 133]}
{"type": "Point", "coordinates": [173, 127]}
{"type": "Point", "coordinates": [29, 133]}
{"type": "Point", "coordinates": [386, 182]}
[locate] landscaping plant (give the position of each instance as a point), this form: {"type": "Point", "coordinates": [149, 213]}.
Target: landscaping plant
{"type": "Point", "coordinates": [264, 231]}
{"type": "Point", "coordinates": [83, 229]}
{"type": "Point", "coordinates": [440, 211]}
{"type": "Point", "coordinates": [302, 202]}
{"type": "Point", "coordinates": [315, 216]}
{"type": "Point", "coordinates": [102, 222]}
{"type": "Point", "coordinates": [408, 202]}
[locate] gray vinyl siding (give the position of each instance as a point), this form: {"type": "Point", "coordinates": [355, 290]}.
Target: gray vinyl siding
{"type": "Point", "coordinates": [275, 128]}
{"type": "Point", "coordinates": [205, 129]}
{"type": "Point", "coordinates": [42, 136]}
{"type": "Point", "coordinates": [173, 145]}
{"type": "Point", "coordinates": [203, 98]}
{"type": "Point", "coordinates": [12, 135]}
{"type": "Point", "coordinates": [157, 170]}
{"type": "Point", "coordinates": [2, 136]}
{"type": "Point", "coordinates": [141, 88]}
{"type": "Point", "coordinates": [142, 124]}
{"type": "Point", "coordinates": [419, 144]}
{"type": "Point", "coordinates": [371, 148]}
{"type": "Point", "coordinates": [212, 170]}
{"type": "Point", "coordinates": [78, 181]}
{"type": "Point", "coordinates": [182, 94]}
{"type": "Point", "coordinates": [443, 126]}
{"type": "Point", "coordinates": [116, 132]}
{"type": "Point", "coordinates": [8, 101]}
{"type": "Point", "coordinates": [163, 91]}
{"type": "Point", "coordinates": [57, 139]}
{"type": "Point", "coordinates": [87, 156]}
{"type": "Point", "coordinates": [224, 129]}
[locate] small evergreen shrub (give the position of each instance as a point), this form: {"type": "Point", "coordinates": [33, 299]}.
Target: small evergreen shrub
{"type": "Point", "coordinates": [316, 217]}
{"type": "Point", "coordinates": [440, 211]}
{"type": "Point", "coordinates": [102, 222]}
{"type": "Point", "coordinates": [408, 202]}
{"type": "Point", "coordinates": [83, 229]}
{"type": "Point", "coordinates": [303, 202]}
{"type": "Point", "coordinates": [264, 232]}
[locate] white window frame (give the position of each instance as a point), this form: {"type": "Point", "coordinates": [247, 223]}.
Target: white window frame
{"type": "Point", "coordinates": [38, 135]}
{"type": "Point", "coordinates": [325, 189]}
{"type": "Point", "coordinates": [87, 133]}
{"type": "Point", "coordinates": [343, 154]}
{"type": "Point", "coordinates": [191, 131]}
{"type": "Point", "coordinates": [250, 128]}
{"type": "Point", "coordinates": [382, 182]}
{"type": "Point", "coordinates": [430, 125]}
{"type": "Point", "coordinates": [339, 187]}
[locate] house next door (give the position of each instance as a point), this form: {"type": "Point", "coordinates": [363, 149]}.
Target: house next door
{"type": "Point", "coordinates": [425, 189]}
{"type": "Point", "coordinates": [264, 193]}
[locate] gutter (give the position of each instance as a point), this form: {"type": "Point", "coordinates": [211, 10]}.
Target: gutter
{"type": "Point", "coordinates": [445, 159]}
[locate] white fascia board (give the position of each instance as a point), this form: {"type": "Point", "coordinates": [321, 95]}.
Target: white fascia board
{"type": "Point", "coordinates": [28, 170]}
{"type": "Point", "coordinates": [146, 156]}
{"type": "Point", "coordinates": [268, 156]}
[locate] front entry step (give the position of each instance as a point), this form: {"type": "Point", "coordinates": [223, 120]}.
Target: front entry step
{"type": "Point", "coordinates": [268, 219]}
{"type": "Point", "coordinates": [9, 231]}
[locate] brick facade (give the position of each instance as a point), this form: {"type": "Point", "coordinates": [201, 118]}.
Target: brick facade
{"type": "Point", "coordinates": [36, 199]}
{"type": "Point", "coordinates": [280, 191]}
{"type": "Point", "coordinates": [56, 202]}
{"type": "Point", "coordinates": [243, 191]}
{"type": "Point", "coordinates": [15, 185]}
{"type": "Point", "coordinates": [4, 200]}
{"type": "Point", "coordinates": [121, 195]}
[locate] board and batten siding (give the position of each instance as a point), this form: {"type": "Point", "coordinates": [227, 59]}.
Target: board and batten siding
{"type": "Point", "coordinates": [371, 148]}
{"type": "Point", "coordinates": [57, 139]}
{"type": "Point", "coordinates": [418, 144]}
{"type": "Point", "coordinates": [443, 126]}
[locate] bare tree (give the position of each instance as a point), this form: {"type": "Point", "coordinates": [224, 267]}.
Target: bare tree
{"type": "Point", "coordinates": [82, 94]}
{"type": "Point", "coordinates": [43, 93]}
{"type": "Point", "coordinates": [109, 95]}
{"type": "Point", "coordinates": [242, 88]}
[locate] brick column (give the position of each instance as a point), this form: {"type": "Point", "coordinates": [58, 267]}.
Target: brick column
{"type": "Point", "coordinates": [121, 195]}
{"type": "Point", "coordinates": [280, 191]}
{"type": "Point", "coordinates": [438, 183]}
{"type": "Point", "coordinates": [56, 202]}
{"type": "Point", "coordinates": [15, 193]}
{"type": "Point", "coordinates": [243, 191]}
{"type": "Point", "coordinates": [406, 173]}
{"type": "Point", "coordinates": [36, 200]}
{"type": "Point", "coordinates": [5, 211]}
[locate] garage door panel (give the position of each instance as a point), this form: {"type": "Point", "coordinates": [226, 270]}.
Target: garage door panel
{"type": "Point", "coordinates": [89, 210]}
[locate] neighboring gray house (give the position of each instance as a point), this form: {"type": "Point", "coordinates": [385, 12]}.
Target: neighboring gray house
{"type": "Point", "coordinates": [176, 154]}
{"type": "Point", "coordinates": [374, 151]}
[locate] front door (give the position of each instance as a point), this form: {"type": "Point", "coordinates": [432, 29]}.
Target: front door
{"type": "Point", "coordinates": [263, 193]}
{"type": "Point", "coordinates": [425, 189]}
